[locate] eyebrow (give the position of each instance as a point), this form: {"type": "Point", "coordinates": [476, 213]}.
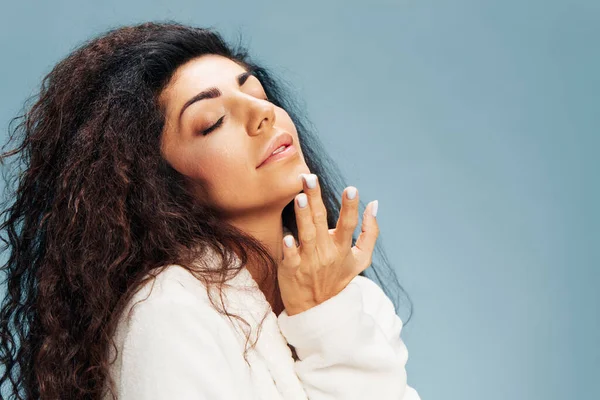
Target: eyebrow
{"type": "Point", "coordinates": [213, 92]}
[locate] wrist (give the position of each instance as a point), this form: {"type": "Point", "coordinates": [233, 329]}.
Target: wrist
{"type": "Point", "coordinates": [293, 310]}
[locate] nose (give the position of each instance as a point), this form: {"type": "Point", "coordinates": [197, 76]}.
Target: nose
{"type": "Point", "coordinates": [262, 117]}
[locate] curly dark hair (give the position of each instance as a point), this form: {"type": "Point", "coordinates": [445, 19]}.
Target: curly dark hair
{"type": "Point", "coordinates": [97, 211]}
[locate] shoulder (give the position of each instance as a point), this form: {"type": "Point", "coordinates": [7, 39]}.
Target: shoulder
{"type": "Point", "coordinates": [173, 343]}
{"type": "Point", "coordinates": [173, 304]}
{"type": "Point", "coordinates": [173, 284]}
{"type": "Point", "coordinates": [171, 301]}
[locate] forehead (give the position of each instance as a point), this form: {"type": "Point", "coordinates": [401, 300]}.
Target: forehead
{"type": "Point", "coordinates": [210, 70]}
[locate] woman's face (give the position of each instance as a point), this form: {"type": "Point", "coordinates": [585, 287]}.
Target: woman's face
{"type": "Point", "coordinates": [225, 160]}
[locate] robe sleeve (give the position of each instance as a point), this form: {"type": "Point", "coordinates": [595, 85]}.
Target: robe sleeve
{"type": "Point", "coordinates": [349, 346]}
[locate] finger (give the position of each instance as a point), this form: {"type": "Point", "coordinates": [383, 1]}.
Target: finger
{"type": "Point", "coordinates": [291, 256]}
{"type": "Point", "coordinates": [368, 236]}
{"type": "Point", "coordinates": [348, 218]}
{"type": "Point", "coordinates": [317, 208]}
{"type": "Point", "coordinates": [307, 234]}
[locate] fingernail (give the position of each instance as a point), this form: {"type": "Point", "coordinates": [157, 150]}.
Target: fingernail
{"type": "Point", "coordinates": [302, 200]}
{"type": "Point", "coordinates": [351, 192]}
{"type": "Point", "coordinates": [374, 208]}
{"type": "Point", "coordinates": [289, 241]}
{"type": "Point", "coordinates": [311, 180]}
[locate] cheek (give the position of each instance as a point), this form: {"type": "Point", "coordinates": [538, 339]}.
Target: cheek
{"type": "Point", "coordinates": [228, 174]}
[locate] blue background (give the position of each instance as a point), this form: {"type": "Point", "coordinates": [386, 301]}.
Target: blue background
{"type": "Point", "coordinates": [477, 126]}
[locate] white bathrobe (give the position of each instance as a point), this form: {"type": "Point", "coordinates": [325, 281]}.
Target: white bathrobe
{"type": "Point", "coordinates": [176, 346]}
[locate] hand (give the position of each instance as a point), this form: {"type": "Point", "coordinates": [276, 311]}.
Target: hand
{"type": "Point", "coordinates": [324, 263]}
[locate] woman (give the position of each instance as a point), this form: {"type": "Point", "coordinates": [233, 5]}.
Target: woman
{"type": "Point", "coordinates": [163, 246]}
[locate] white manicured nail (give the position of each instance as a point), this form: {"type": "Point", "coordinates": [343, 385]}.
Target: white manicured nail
{"type": "Point", "coordinates": [289, 240]}
{"type": "Point", "coordinates": [311, 180]}
{"type": "Point", "coordinates": [374, 208]}
{"type": "Point", "coordinates": [351, 192]}
{"type": "Point", "coordinates": [302, 200]}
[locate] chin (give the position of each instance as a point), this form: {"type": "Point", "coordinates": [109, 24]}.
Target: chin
{"type": "Point", "coordinates": [301, 169]}
{"type": "Point", "coordinates": [290, 183]}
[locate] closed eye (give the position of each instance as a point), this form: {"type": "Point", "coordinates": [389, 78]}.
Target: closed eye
{"type": "Point", "coordinates": [220, 122]}
{"type": "Point", "coordinates": [215, 126]}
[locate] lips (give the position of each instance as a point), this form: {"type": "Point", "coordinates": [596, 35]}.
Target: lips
{"type": "Point", "coordinates": [283, 139]}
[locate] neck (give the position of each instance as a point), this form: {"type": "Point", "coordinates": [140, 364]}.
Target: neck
{"type": "Point", "coordinates": [267, 228]}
